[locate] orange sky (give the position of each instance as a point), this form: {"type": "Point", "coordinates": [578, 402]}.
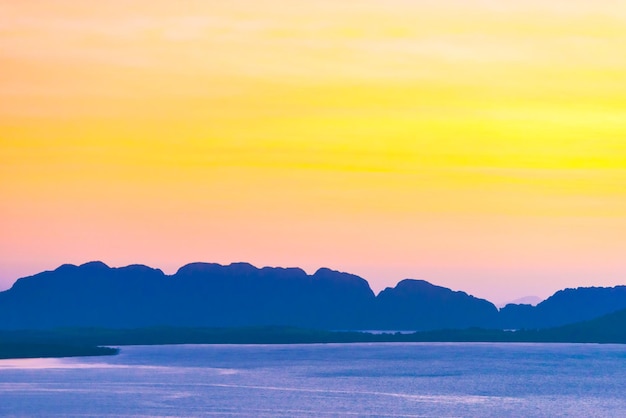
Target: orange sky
{"type": "Point", "coordinates": [479, 145]}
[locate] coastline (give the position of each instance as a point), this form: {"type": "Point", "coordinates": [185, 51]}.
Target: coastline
{"type": "Point", "coordinates": [40, 350]}
{"type": "Point", "coordinates": [78, 342]}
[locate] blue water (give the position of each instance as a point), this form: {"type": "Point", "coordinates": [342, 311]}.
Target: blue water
{"type": "Point", "coordinates": [419, 379]}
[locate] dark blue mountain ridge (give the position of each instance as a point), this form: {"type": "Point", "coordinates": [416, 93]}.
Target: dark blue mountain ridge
{"type": "Point", "coordinates": [240, 294]}
{"type": "Point", "coordinates": [418, 305]}
{"type": "Point", "coordinates": [199, 294]}
{"type": "Point", "coordinates": [564, 307]}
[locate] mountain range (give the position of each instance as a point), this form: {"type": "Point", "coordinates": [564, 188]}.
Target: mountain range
{"type": "Point", "coordinates": [241, 295]}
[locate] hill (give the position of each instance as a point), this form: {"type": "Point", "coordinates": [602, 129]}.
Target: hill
{"type": "Point", "coordinates": [419, 305]}
{"type": "Point", "coordinates": [565, 307]}
{"type": "Point", "coordinates": [237, 295]}
{"type": "Point", "coordinates": [241, 295]}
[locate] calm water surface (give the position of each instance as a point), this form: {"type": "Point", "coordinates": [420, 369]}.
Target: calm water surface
{"type": "Point", "coordinates": [415, 379]}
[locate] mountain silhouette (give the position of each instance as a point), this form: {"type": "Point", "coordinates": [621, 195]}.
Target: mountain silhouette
{"type": "Point", "coordinates": [565, 307]}
{"type": "Point", "coordinates": [241, 295]}
{"type": "Point", "coordinates": [609, 328]}
{"type": "Point", "coordinates": [526, 300]}
{"type": "Point", "coordinates": [199, 294]}
{"type": "Point", "coordinates": [420, 305]}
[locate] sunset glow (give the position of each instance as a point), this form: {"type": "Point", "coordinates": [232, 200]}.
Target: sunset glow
{"type": "Point", "coordinates": [479, 145]}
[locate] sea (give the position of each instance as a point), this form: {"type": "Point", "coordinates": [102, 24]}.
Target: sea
{"type": "Point", "coordinates": [324, 380]}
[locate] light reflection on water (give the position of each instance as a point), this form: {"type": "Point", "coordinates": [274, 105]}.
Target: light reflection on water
{"type": "Point", "coordinates": [421, 379]}
{"type": "Point", "coordinates": [32, 363]}
{"type": "Point", "coordinates": [65, 363]}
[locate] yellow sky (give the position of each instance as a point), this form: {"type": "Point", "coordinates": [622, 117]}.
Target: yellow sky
{"type": "Point", "coordinates": [479, 145]}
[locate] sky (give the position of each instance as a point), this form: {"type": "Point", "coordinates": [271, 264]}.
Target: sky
{"type": "Point", "coordinates": [476, 144]}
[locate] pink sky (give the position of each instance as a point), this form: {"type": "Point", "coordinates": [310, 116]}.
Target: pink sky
{"type": "Point", "coordinates": [478, 145]}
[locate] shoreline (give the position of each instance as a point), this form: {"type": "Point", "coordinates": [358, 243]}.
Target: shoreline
{"type": "Point", "coordinates": [80, 342]}
{"type": "Point", "coordinates": [9, 351]}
